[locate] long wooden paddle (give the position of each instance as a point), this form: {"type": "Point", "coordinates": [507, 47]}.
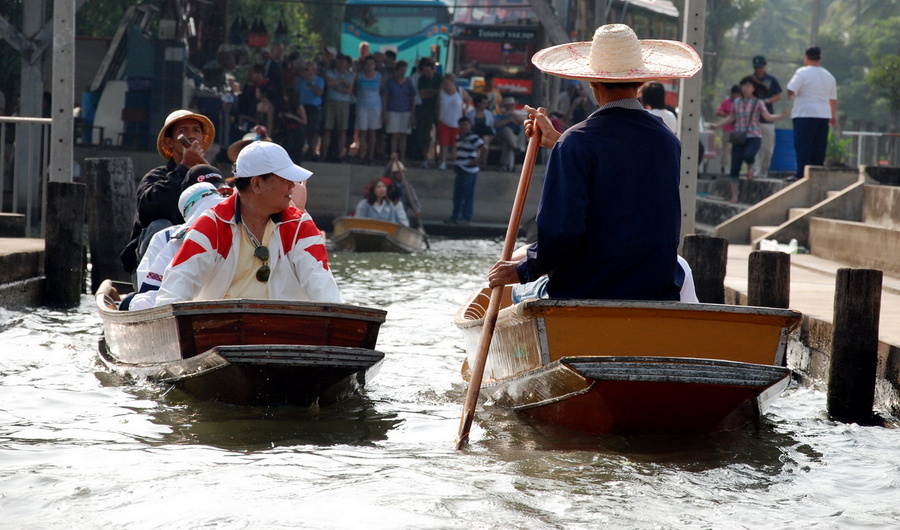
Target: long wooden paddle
{"type": "Point", "coordinates": [490, 318]}
{"type": "Point", "coordinates": [418, 213]}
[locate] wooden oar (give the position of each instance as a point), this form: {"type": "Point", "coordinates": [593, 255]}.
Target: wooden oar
{"type": "Point", "coordinates": [490, 317]}
{"type": "Point", "coordinates": [418, 213]}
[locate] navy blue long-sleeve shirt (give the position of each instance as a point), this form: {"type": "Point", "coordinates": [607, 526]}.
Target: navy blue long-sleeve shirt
{"type": "Point", "coordinates": [609, 218]}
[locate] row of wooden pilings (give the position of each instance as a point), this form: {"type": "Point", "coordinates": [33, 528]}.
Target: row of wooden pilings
{"type": "Point", "coordinates": [857, 299]}
{"type": "Point", "coordinates": [857, 309]}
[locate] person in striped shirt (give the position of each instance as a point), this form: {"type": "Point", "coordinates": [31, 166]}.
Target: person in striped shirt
{"type": "Point", "coordinates": [469, 150]}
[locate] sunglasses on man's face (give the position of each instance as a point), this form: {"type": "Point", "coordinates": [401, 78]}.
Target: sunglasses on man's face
{"type": "Point", "coordinates": [226, 191]}
{"type": "Point", "coordinates": [262, 254]}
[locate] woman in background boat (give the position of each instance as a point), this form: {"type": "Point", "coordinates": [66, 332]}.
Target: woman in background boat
{"type": "Point", "coordinates": [255, 244]}
{"type": "Point", "coordinates": [376, 205]}
{"type": "Point", "coordinates": [395, 173]}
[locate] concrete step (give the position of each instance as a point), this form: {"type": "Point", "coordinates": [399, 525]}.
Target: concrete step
{"type": "Point", "coordinates": [12, 225]}
{"type": "Point", "coordinates": [704, 230]}
{"type": "Point", "coordinates": [20, 259]}
{"type": "Point", "coordinates": [715, 210]}
{"type": "Point", "coordinates": [881, 205]}
{"type": "Point", "coordinates": [757, 232]}
{"type": "Point", "coordinates": [856, 244]}
{"type": "Point", "coordinates": [794, 213]}
{"type": "Point", "coordinates": [21, 272]}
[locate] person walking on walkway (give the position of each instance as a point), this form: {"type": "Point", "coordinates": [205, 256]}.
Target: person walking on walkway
{"type": "Point", "coordinates": [768, 90]}
{"type": "Point", "coordinates": [747, 136]}
{"type": "Point", "coordinates": [814, 92]}
{"type": "Point", "coordinates": [724, 110]}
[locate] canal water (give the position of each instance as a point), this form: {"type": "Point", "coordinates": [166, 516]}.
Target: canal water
{"type": "Point", "coordinates": [80, 448]}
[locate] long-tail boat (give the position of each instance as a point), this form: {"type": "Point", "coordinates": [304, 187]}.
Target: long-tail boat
{"type": "Point", "coordinates": [360, 234]}
{"type": "Point", "coordinates": [243, 351]}
{"type": "Point", "coordinates": [614, 367]}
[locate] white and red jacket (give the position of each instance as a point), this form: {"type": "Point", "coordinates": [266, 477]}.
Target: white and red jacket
{"type": "Point", "coordinates": [205, 264]}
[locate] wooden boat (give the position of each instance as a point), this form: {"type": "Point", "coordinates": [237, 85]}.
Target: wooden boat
{"type": "Point", "coordinates": [243, 351]}
{"type": "Point", "coordinates": [612, 367]}
{"type": "Point", "coordinates": [359, 234]}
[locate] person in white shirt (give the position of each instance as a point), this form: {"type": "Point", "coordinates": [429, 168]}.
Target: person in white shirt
{"type": "Point", "coordinates": [653, 96]}
{"type": "Point", "coordinates": [814, 92]}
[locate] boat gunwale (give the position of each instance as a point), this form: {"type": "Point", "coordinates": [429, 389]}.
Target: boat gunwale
{"type": "Point", "coordinates": [539, 308]}
{"type": "Point", "coordinates": [395, 240]}
{"type": "Point", "coordinates": [286, 308]}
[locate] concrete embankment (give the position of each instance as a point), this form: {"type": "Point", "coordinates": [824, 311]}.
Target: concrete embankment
{"type": "Point", "coordinates": [21, 272]}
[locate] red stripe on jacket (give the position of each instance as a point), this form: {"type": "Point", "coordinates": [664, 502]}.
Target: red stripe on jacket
{"type": "Point", "coordinates": [218, 234]}
{"type": "Point", "coordinates": [306, 229]}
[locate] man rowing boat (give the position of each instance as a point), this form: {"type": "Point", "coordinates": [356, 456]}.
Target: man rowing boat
{"type": "Point", "coordinates": [609, 218]}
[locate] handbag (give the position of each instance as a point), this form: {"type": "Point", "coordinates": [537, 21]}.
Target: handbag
{"type": "Point", "coordinates": [737, 137]}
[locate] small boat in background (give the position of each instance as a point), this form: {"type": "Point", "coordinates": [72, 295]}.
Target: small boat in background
{"type": "Point", "coordinates": [620, 367]}
{"type": "Point", "coordinates": [243, 351]}
{"type": "Point", "coordinates": [360, 234]}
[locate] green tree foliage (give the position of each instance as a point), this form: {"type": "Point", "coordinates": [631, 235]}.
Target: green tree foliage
{"type": "Point", "coordinates": [882, 45]}
{"type": "Point", "coordinates": [325, 16]}
{"type": "Point", "coordinates": [859, 41]}
{"type": "Point", "coordinates": [721, 16]}
{"type": "Point", "coordinates": [101, 18]}
{"type": "Point", "coordinates": [296, 16]}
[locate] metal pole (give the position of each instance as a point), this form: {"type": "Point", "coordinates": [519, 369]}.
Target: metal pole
{"type": "Point", "coordinates": [3, 165]}
{"type": "Point", "coordinates": [689, 115]}
{"type": "Point", "coordinates": [62, 128]}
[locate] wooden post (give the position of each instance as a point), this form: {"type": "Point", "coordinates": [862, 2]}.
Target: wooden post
{"type": "Point", "coordinates": [854, 345]}
{"type": "Point", "coordinates": [110, 213]}
{"type": "Point", "coordinates": [707, 257]}
{"type": "Point", "coordinates": [64, 249]}
{"type": "Point", "coordinates": [769, 279]}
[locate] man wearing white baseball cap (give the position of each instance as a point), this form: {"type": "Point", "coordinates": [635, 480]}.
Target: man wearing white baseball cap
{"type": "Point", "coordinates": [610, 213]}
{"type": "Point", "coordinates": [256, 243]}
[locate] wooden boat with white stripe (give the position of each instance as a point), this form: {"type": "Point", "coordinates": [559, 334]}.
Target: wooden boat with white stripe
{"type": "Point", "coordinates": [243, 351]}
{"type": "Point", "coordinates": [360, 234]}
{"type": "Point", "coordinates": [618, 367]}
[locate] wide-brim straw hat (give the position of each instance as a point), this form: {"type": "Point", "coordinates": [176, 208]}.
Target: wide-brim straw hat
{"type": "Point", "coordinates": [209, 130]}
{"type": "Point", "coordinates": [617, 56]}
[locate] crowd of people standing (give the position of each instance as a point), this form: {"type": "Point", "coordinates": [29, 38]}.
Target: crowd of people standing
{"type": "Point", "coordinates": [374, 108]}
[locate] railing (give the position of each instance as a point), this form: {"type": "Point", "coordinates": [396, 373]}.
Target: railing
{"type": "Point", "coordinates": [24, 159]}
{"type": "Point", "coordinates": [884, 150]}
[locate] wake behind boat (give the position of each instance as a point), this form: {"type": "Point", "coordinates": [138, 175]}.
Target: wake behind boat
{"type": "Point", "coordinates": [360, 234]}
{"type": "Point", "coordinates": [618, 367]}
{"type": "Point", "coordinates": [243, 351]}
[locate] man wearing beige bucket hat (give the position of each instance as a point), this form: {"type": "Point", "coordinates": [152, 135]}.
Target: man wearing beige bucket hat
{"type": "Point", "coordinates": [159, 189]}
{"type": "Point", "coordinates": [609, 219]}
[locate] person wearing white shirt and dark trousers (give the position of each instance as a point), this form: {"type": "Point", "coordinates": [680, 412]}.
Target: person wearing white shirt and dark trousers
{"type": "Point", "coordinates": [814, 92]}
